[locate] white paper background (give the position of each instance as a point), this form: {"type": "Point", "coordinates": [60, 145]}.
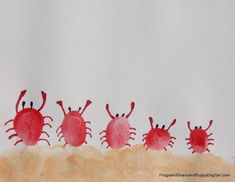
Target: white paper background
{"type": "Point", "coordinates": [174, 58]}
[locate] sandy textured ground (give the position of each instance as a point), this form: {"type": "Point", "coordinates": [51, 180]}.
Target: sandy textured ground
{"type": "Point", "coordinates": [89, 164]}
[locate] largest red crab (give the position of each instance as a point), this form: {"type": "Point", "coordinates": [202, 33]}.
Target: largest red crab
{"type": "Point", "coordinates": [29, 122]}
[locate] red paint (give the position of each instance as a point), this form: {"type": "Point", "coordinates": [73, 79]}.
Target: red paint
{"type": "Point", "coordinates": [73, 127]}
{"type": "Point", "coordinates": [29, 122]}
{"type": "Point", "coordinates": [199, 139]}
{"type": "Point", "coordinates": [118, 131]}
{"type": "Point", "coordinates": [158, 138]}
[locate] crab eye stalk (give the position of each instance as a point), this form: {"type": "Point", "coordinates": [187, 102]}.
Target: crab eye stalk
{"type": "Point", "coordinates": [200, 127]}
{"type": "Point", "coordinates": [123, 114]}
{"type": "Point", "coordinates": [163, 126]}
{"type": "Point", "coordinates": [31, 104]}
{"type": "Point", "coordinates": [23, 104]}
{"type": "Point", "coordinates": [69, 108]}
{"type": "Point", "coordinates": [117, 115]}
{"type": "Point", "coordinates": [195, 127]}
{"type": "Point", "coordinates": [79, 109]}
{"type": "Point", "coordinates": [156, 125]}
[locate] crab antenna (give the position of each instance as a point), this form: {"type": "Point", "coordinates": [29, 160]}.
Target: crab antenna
{"type": "Point", "coordinates": [151, 122]}
{"type": "Point", "coordinates": [88, 102]}
{"type": "Point", "coordinates": [108, 111]}
{"type": "Point", "coordinates": [210, 123]}
{"type": "Point", "coordinates": [22, 93]}
{"type": "Point", "coordinates": [44, 98]}
{"type": "Point", "coordinates": [60, 103]}
{"type": "Point", "coordinates": [189, 126]}
{"type": "Point", "coordinates": [173, 122]}
{"type": "Point", "coordinates": [132, 108]}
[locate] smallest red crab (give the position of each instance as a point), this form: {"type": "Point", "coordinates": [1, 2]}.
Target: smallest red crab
{"type": "Point", "coordinates": [158, 138]}
{"type": "Point", "coordinates": [199, 139]}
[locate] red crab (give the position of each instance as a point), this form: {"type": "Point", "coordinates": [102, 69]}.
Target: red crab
{"type": "Point", "coordinates": [29, 122]}
{"type": "Point", "coordinates": [118, 131]}
{"type": "Point", "coordinates": [73, 127]}
{"type": "Point", "coordinates": [199, 139]}
{"type": "Point", "coordinates": [158, 138]}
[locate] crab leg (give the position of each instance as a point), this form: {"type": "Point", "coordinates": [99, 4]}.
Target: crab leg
{"type": "Point", "coordinates": [58, 128]}
{"type": "Point", "coordinates": [59, 134]}
{"type": "Point", "coordinates": [44, 97]}
{"type": "Point", "coordinates": [49, 117]}
{"type": "Point", "coordinates": [108, 111]}
{"type": "Point", "coordinates": [18, 142]}
{"type": "Point", "coordinates": [88, 102]}
{"type": "Point", "coordinates": [210, 134]}
{"type": "Point", "coordinates": [132, 108]}
{"type": "Point", "coordinates": [88, 122]}
{"type": "Point", "coordinates": [22, 93]}
{"type": "Point", "coordinates": [42, 139]}
{"type": "Point", "coordinates": [134, 133]}
{"type": "Point", "coordinates": [88, 128]}
{"type": "Point", "coordinates": [46, 133]}
{"type": "Point", "coordinates": [60, 103]}
{"type": "Point", "coordinates": [14, 135]}
{"type": "Point", "coordinates": [89, 134]}
{"type": "Point", "coordinates": [9, 130]}
{"type": "Point", "coordinates": [61, 138]}
{"type": "Point", "coordinates": [103, 137]}
{"type": "Point", "coordinates": [9, 121]}
{"type": "Point", "coordinates": [104, 131]}
{"type": "Point", "coordinates": [131, 138]}
{"type": "Point", "coordinates": [104, 142]}
{"type": "Point", "coordinates": [47, 124]}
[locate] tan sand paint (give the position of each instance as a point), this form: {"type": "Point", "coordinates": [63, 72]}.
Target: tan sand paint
{"type": "Point", "coordinates": [131, 164]}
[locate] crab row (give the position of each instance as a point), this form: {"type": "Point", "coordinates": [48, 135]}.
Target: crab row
{"type": "Point", "coordinates": [29, 124]}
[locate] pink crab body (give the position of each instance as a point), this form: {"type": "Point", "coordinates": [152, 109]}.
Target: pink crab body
{"type": "Point", "coordinates": [29, 122]}
{"type": "Point", "coordinates": [118, 131]}
{"type": "Point", "coordinates": [158, 138]}
{"type": "Point", "coordinates": [73, 127]}
{"type": "Point", "coordinates": [199, 139]}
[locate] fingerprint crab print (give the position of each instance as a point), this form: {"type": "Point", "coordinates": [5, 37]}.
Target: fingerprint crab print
{"type": "Point", "coordinates": [118, 131]}
{"type": "Point", "coordinates": [158, 138]}
{"type": "Point", "coordinates": [199, 139]}
{"type": "Point", "coordinates": [74, 128]}
{"type": "Point", "coordinates": [28, 123]}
